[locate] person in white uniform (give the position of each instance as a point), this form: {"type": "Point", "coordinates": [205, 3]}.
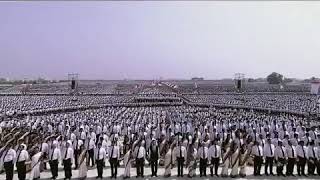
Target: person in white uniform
{"type": "Point", "coordinates": [8, 161]}
{"type": "Point", "coordinates": [54, 158]}
{"type": "Point", "coordinates": [22, 158]}
{"type": "Point", "coordinates": [67, 160]}
{"type": "Point", "coordinates": [100, 157]}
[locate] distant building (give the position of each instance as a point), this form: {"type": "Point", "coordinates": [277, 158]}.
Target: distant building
{"type": "Point", "coordinates": [197, 79]}
{"type": "Point", "coordinates": [315, 87]}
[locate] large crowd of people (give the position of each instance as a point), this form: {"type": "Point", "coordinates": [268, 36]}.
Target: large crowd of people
{"type": "Point", "coordinates": [214, 88]}
{"type": "Point", "coordinates": [182, 136]}
{"type": "Point", "coordinates": [18, 104]}
{"type": "Point", "coordinates": [160, 129]}
{"type": "Point", "coordinates": [294, 102]}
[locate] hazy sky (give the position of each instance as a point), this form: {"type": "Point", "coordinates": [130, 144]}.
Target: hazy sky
{"type": "Point", "coordinates": [146, 40]}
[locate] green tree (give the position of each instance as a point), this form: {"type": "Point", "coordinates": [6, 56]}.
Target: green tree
{"type": "Point", "coordinates": [275, 78]}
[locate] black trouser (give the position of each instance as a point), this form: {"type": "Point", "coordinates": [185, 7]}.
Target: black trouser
{"type": "Point", "coordinates": [76, 156]}
{"type": "Point", "coordinates": [290, 166]}
{"type": "Point", "coordinates": [215, 165]}
{"type": "Point", "coordinates": [301, 165]}
{"type": "Point", "coordinates": [67, 168]}
{"type": "Point", "coordinates": [139, 166]}
{"type": "Point", "coordinates": [203, 167]}
{"type": "Point", "coordinates": [257, 163]}
{"type": "Point", "coordinates": [114, 167]}
{"type": "Point", "coordinates": [269, 163]}
{"type": "Point", "coordinates": [21, 168]}
{"type": "Point", "coordinates": [8, 167]}
{"type": "Point", "coordinates": [280, 168]}
{"type": "Point", "coordinates": [91, 156]}
{"type": "Point", "coordinates": [180, 166]}
{"type": "Point", "coordinates": [154, 167]}
{"type": "Point", "coordinates": [54, 168]}
{"type": "Point", "coordinates": [311, 166]}
{"type": "Point", "coordinates": [100, 167]}
{"type": "Point", "coordinates": [318, 167]}
{"type": "Point", "coordinates": [44, 163]}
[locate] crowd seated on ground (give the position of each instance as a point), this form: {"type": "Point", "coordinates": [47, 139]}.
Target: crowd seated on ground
{"type": "Point", "coordinates": [96, 94]}
{"type": "Point", "coordinates": [231, 88]}
{"type": "Point", "coordinates": [29, 103]}
{"type": "Point", "coordinates": [293, 102]}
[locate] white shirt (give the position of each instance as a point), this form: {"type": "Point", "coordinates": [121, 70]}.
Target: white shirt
{"type": "Point", "coordinates": [291, 151]}
{"type": "Point", "coordinates": [312, 152]}
{"type": "Point", "coordinates": [55, 154]}
{"type": "Point", "coordinates": [83, 135]}
{"type": "Point", "coordinates": [77, 144]}
{"type": "Point", "coordinates": [92, 144]}
{"type": "Point", "coordinates": [99, 130]}
{"type": "Point", "coordinates": [114, 152]}
{"type": "Point", "coordinates": [301, 151]}
{"type": "Point", "coordinates": [257, 150]}
{"type": "Point", "coordinates": [45, 147]}
{"type": "Point", "coordinates": [69, 154]}
{"type": "Point", "coordinates": [104, 144]}
{"type": "Point", "coordinates": [183, 151]}
{"type": "Point", "coordinates": [101, 154]}
{"type": "Point", "coordinates": [268, 150]}
{"type": "Point", "coordinates": [214, 152]}
{"type": "Point", "coordinates": [203, 152]}
{"type": "Point", "coordinates": [140, 152]}
{"type": "Point", "coordinates": [73, 137]}
{"type": "Point", "coordinates": [93, 136]}
{"type": "Point", "coordinates": [280, 152]}
{"type": "Point", "coordinates": [105, 129]}
{"type": "Point", "coordinates": [22, 156]}
{"type": "Point", "coordinates": [9, 155]}
{"type": "Point", "coordinates": [312, 135]}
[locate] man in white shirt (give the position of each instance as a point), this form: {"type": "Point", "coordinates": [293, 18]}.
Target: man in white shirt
{"type": "Point", "coordinates": [257, 152]}
{"type": "Point", "coordinates": [268, 152]}
{"type": "Point", "coordinates": [91, 148]}
{"type": "Point", "coordinates": [312, 158]}
{"type": "Point", "coordinates": [114, 155]}
{"type": "Point", "coordinates": [98, 132]}
{"type": "Point", "coordinates": [181, 156]}
{"type": "Point", "coordinates": [140, 158]}
{"type": "Point", "coordinates": [67, 160]}
{"type": "Point", "coordinates": [45, 150]}
{"type": "Point", "coordinates": [8, 158]}
{"type": "Point", "coordinates": [77, 143]}
{"type": "Point", "coordinates": [291, 154]}
{"type": "Point", "coordinates": [214, 154]}
{"type": "Point", "coordinates": [55, 156]}
{"type": "Point", "coordinates": [203, 155]}
{"type": "Point", "coordinates": [93, 135]}
{"type": "Point", "coordinates": [154, 155]}
{"type": "Point", "coordinates": [280, 157]}
{"type": "Point", "coordinates": [82, 135]}
{"type": "Point", "coordinates": [302, 158]}
{"type": "Point", "coordinates": [100, 157]}
{"type": "Point", "coordinates": [22, 157]}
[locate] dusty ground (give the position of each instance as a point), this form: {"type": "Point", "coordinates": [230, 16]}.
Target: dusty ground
{"type": "Point", "coordinates": [92, 173]}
